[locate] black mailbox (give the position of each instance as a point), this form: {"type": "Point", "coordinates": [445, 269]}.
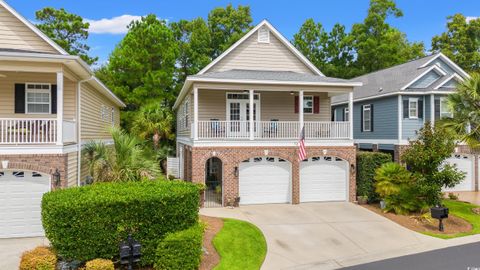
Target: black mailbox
{"type": "Point", "coordinates": [124, 253]}
{"type": "Point", "coordinates": [439, 212]}
{"type": "Point", "coordinates": [130, 252]}
{"type": "Point", "coordinates": [136, 251]}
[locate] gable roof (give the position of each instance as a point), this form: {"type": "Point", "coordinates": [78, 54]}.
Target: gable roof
{"type": "Point", "coordinates": [33, 28]}
{"type": "Point", "coordinates": [278, 35]}
{"type": "Point", "coordinates": [398, 78]}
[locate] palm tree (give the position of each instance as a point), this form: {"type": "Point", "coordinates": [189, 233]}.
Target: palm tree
{"type": "Point", "coordinates": [155, 122]}
{"type": "Point", "coordinates": [465, 105]}
{"type": "Point", "coordinates": [125, 160]}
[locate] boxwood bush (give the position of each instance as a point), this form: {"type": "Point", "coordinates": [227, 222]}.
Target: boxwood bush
{"type": "Point", "coordinates": [181, 250]}
{"type": "Point", "coordinates": [88, 222]}
{"type": "Point", "coordinates": [367, 163]}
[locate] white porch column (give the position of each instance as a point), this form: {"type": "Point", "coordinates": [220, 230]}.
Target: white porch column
{"type": "Point", "coordinates": [432, 109]}
{"type": "Point", "coordinates": [251, 114]}
{"type": "Point", "coordinates": [300, 109]}
{"type": "Point", "coordinates": [195, 113]}
{"type": "Point", "coordinates": [60, 108]}
{"type": "Point", "coordinates": [350, 113]}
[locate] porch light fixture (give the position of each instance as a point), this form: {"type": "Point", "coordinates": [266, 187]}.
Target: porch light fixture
{"type": "Point", "coordinates": [245, 91]}
{"type": "Point", "coordinates": [235, 171]}
{"type": "Point", "coordinates": [292, 93]}
{"type": "Point", "coordinates": [324, 151]}
{"type": "Point", "coordinates": [352, 168]}
{"type": "Point", "coordinates": [4, 164]}
{"type": "Point", "coordinates": [56, 177]}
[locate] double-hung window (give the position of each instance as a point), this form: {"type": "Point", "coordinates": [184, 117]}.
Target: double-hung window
{"type": "Point", "coordinates": [367, 117]}
{"type": "Point", "coordinates": [346, 114]}
{"type": "Point", "coordinates": [38, 98]}
{"type": "Point", "coordinates": [444, 108]}
{"type": "Point", "coordinates": [308, 104]}
{"type": "Point", "coordinates": [413, 108]}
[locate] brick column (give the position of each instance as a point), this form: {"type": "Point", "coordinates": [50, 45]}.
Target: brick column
{"type": "Point", "coordinates": [296, 182]}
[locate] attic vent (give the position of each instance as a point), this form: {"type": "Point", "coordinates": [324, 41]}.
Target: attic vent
{"type": "Point", "coordinates": [263, 35]}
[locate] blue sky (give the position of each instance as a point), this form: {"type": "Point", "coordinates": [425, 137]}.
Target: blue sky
{"type": "Point", "coordinates": [422, 18]}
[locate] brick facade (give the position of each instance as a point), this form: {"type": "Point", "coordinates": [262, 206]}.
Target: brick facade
{"type": "Point", "coordinates": [40, 163]}
{"type": "Point", "coordinates": [231, 157]}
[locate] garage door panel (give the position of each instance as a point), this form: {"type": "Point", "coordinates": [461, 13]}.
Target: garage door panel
{"type": "Point", "coordinates": [465, 164]}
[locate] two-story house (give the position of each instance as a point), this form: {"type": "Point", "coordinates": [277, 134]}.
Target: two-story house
{"type": "Point", "coordinates": [50, 104]}
{"type": "Point", "coordinates": [239, 121]}
{"type": "Point", "coordinates": [394, 103]}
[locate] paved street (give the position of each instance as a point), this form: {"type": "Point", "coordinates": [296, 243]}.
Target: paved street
{"type": "Point", "coordinates": [459, 257]}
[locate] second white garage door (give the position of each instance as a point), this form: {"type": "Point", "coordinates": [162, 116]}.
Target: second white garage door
{"type": "Point", "coordinates": [465, 164]}
{"type": "Point", "coordinates": [265, 180]}
{"type": "Point", "coordinates": [323, 179]}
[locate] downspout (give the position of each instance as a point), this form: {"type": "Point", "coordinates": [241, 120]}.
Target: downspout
{"type": "Point", "coordinates": [79, 128]}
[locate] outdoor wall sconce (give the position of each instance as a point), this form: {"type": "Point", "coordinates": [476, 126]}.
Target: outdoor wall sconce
{"type": "Point", "coordinates": [214, 154]}
{"type": "Point", "coordinates": [56, 177]}
{"type": "Point", "coordinates": [352, 168]}
{"type": "Point", "coordinates": [5, 164]}
{"type": "Point", "coordinates": [265, 152]}
{"type": "Point", "coordinates": [324, 151]}
{"type": "Point", "coordinates": [292, 93]}
{"type": "Point", "coordinates": [235, 171]}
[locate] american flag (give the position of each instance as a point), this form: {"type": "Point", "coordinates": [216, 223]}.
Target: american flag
{"type": "Point", "coordinates": [302, 153]}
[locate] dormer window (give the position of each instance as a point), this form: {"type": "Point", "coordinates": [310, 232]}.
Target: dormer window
{"type": "Point", "coordinates": [263, 35]}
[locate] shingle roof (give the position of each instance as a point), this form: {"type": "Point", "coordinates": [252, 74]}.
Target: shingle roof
{"type": "Point", "coordinates": [388, 80]}
{"type": "Point", "coordinates": [263, 75]}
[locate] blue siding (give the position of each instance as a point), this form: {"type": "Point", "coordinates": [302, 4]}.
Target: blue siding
{"type": "Point", "coordinates": [385, 119]}
{"type": "Point", "coordinates": [450, 84]}
{"type": "Point", "coordinates": [366, 146]}
{"type": "Point", "coordinates": [338, 111]}
{"type": "Point", "coordinates": [426, 104]}
{"type": "Point", "coordinates": [386, 147]}
{"type": "Point", "coordinates": [411, 126]}
{"type": "Point", "coordinates": [426, 80]}
{"type": "Point", "coordinates": [444, 66]}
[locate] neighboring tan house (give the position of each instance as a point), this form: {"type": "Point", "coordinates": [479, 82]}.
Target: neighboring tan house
{"type": "Point", "coordinates": [394, 103]}
{"type": "Point", "coordinates": [50, 104]}
{"type": "Point", "coordinates": [239, 122]}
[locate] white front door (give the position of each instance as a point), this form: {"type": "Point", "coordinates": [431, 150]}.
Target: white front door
{"type": "Point", "coordinates": [20, 203]}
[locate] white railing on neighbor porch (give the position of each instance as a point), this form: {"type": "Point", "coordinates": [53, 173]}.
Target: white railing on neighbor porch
{"type": "Point", "coordinates": [272, 130]}
{"type": "Point", "coordinates": [34, 131]}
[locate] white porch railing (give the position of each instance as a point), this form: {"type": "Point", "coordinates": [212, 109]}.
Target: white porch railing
{"type": "Point", "coordinates": [34, 131]}
{"type": "Point", "coordinates": [272, 130]}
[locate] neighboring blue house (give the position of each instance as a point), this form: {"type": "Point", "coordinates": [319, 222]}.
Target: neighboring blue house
{"type": "Point", "coordinates": [394, 103]}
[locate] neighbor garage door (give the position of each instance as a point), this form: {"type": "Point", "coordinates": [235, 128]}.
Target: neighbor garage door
{"type": "Point", "coordinates": [323, 179]}
{"type": "Point", "coordinates": [265, 180]}
{"type": "Point", "coordinates": [20, 198]}
{"type": "Point", "coordinates": [465, 164]}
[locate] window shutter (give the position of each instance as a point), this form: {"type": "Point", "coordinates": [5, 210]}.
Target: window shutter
{"type": "Point", "coordinates": [405, 108]}
{"type": "Point", "coordinates": [343, 115]}
{"type": "Point", "coordinates": [333, 114]}
{"type": "Point", "coordinates": [371, 117]}
{"type": "Point", "coordinates": [437, 109]}
{"type": "Point", "coordinates": [361, 118]}
{"type": "Point", "coordinates": [420, 109]}
{"type": "Point", "coordinates": [296, 104]}
{"type": "Point", "coordinates": [19, 98]}
{"type": "Point", "coordinates": [316, 105]}
{"type": "Point", "coordinates": [54, 98]}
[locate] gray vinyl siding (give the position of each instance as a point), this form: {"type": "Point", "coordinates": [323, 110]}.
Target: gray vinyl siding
{"type": "Point", "coordinates": [338, 111]}
{"type": "Point", "coordinates": [385, 115]}
{"type": "Point", "coordinates": [426, 80]}
{"type": "Point", "coordinates": [426, 105]}
{"type": "Point", "coordinates": [444, 66]}
{"type": "Point", "coordinates": [410, 126]}
{"type": "Point", "coordinates": [365, 146]}
{"type": "Point", "coordinates": [449, 85]}
{"type": "Point", "coordinates": [386, 147]}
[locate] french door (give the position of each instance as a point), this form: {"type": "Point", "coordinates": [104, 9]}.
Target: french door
{"type": "Point", "coordinates": [238, 115]}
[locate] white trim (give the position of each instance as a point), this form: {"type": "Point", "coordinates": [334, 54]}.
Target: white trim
{"type": "Point", "coordinates": [33, 28]}
{"type": "Point", "coordinates": [412, 100]}
{"type": "Point", "coordinates": [60, 82]}
{"type": "Point", "coordinates": [251, 116]}
{"type": "Point", "coordinates": [300, 109]}
{"type": "Point", "coordinates": [300, 56]}
{"type": "Point", "coordinates": [43, 91]}
{"type": "Point", "coordinates": [267, 40]}
{"type": "Point", "coordinates": [313, 105]}
{"type": "Point", "coordinates": [37, 150]}
{"type": "Point", "coordinates": [272, 82]}
{"type": "Point", "coordinates": [454, 75]}
{"type": "Point", "coordinates": [441, 107]}
{"type": "Point", "coordinates": [449, 62]}
{"type": "Point", "coordinates": [195, 113]}
{"type": "Point", "coordinates": [363, 117]}
{"type": "Point", "coordinates": [260, 143]}
{"type": "Point", "coordinates": [377, 141]}
{"type": "Point", "coordinates": [350, 113]}
{"type": "Point", "coordinates": [400, 117]}
{"type": "Point", "coordinates": [432, 109]}
{"type": "Point", "coordinates": [394, 94]}
{"type": "Point", "coordinates": [434, 68]}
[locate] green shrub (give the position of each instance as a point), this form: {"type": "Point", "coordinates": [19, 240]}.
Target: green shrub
{"type": "Point", "coordinates": [88, 222]}
{"type": "Point", "coordinates": [367, 163]}
{"type": "Point", "coordinates": [396, 186]}
{"type": "Point", "coordinates": [99, 264]}
{"type": "Point", "coordinates": [40, 258]}
{"type": "Point", "coordinates": [181, 250]}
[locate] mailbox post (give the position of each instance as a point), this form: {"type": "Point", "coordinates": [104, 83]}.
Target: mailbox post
{"type": "Point", "coordinates": [439, 213]}
{"type": "Point", "coordinates": [130, 252]}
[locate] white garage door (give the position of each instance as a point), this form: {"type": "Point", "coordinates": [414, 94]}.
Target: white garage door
{"type": "Point", "coordinates": [465, 164]}
{"type": "Point", "coordinates": [265, 180]}
{"type": "Point", "coordinates": [323, 179]}
{"type": "Point", "coordinates": [20, 203]}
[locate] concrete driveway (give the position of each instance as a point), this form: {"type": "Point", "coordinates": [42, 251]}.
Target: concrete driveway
{"type": "Point", "coordinates": [327, 235]}
{"type": "Point", "coordinates": [11, 250]}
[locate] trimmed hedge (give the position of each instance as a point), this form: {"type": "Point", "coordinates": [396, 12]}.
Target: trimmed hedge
{"type": "Point", "coordinates": [40, 258]}
{"type": "Point", "coordinates": [367, 164]}
{"type": "Point", "coordinates": [89, 222]}
{"type": "Point", "coordinates": [181, 250]}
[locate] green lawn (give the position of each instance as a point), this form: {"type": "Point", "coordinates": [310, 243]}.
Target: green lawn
{"type": "Point", "coordinates": [462, 210]}
{"type": "Point", "coordinates": [241, 245]}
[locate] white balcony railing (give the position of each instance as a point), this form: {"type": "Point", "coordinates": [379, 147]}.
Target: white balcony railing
{"type": "Point", "coordinates": [34, 131]}
{"type": "Point", "coordinates": [272, 130]}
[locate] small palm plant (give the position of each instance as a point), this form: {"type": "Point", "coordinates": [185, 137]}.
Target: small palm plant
{"type": "Point", "coordinates": [154, 122]}
{"type": "Point", "coordinates": [125, 160]}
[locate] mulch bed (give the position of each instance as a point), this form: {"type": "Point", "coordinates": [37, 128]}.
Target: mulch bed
{"type": "Point", "coordinates": [452, 224]}
{"type": "Point", "coordinates": [210, 257]}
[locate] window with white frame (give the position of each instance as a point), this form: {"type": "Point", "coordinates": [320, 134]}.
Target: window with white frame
{"type": "Point", "coordinates": [308, 104]}
{"type": "Point", "coordinates": [346, 116]}
{"type": "Point", "coordinates": [38, 98]}
{"type": "Point", "coordinates": [445, 108]}
{"type": "Point", "coordinates": [413, 108]}
{"type": "Point", "coordinates": [186, 113]}
{"type": "Point", "coordinates": [367, 117]}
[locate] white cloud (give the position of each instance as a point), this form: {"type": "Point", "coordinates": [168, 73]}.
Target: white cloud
{"type": "Point", "coordinates": [115, 25]}
{"type": "Point", "coordinates": [471, 18]}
